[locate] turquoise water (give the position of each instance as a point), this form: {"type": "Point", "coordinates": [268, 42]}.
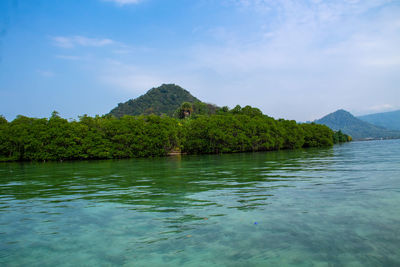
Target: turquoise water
{"type": "Point", "coordinates": [318, 207]}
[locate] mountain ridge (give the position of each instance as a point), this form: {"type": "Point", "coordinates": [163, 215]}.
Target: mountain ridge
{"type": "Point", "coordinates": [389, 120]}
{"type": "Point", "coordinates": [356, 128]}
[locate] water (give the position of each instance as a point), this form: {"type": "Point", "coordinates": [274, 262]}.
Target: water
{"type": "Point", "coordinates": [318, 207]}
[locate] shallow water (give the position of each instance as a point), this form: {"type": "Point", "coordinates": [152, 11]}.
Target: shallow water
{"type": "Point", "coordinates": [317, 207]}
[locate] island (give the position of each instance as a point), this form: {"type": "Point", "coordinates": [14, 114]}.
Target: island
{"type": "Point", "coordinates": [193, 128]}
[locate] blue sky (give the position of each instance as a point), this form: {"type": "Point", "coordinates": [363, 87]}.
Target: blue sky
{"type": "Point", "coordinates": [292, 59]}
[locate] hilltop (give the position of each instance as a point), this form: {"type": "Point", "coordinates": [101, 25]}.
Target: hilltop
{"type": "Point", "coordinates": [389, 120]}
{"type": "Point", "coordinates": [161, 100]}
{"type": "Point", "coordinates": [356, 128]}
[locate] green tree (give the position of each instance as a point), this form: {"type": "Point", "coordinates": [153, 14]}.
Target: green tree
{"type": "Point", "coordinates": [185, 110]}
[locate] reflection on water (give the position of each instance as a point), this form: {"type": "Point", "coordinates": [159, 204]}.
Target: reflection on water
{"type": "Point", "coordinates": [336, 206]}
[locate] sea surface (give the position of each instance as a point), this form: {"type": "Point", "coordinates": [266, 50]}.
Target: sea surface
{"type": "Point", "coordinates": [335, 206]}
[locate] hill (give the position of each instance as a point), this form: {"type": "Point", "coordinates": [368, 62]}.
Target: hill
{"type": "Point", "coordinates": [161, 100]}
{"type": "Point", "coordinates": [356, 128]}
{"type": "Point", "coordinates": [389, 120]}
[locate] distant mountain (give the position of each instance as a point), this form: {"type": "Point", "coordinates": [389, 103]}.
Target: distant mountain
{"type": "Point", "coordinates": [161, 100]}
{"type": "Point", "coordinates": [356, 128]}
{"type": "Point", "coordinates": [389, 120]}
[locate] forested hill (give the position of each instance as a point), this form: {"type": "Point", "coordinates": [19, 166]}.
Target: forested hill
{"type": "Point", "coordinates": [165, 99]}
{"type": "Point", "coordinates": [356, 128]}
{"type": "Point", "coordinates": [389, 120]}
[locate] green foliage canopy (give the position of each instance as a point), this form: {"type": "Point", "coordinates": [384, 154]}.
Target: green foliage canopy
{"type": "Point", "coordinates": [161, 100]}
{"type": "Point", "coordinates": [227, 131]}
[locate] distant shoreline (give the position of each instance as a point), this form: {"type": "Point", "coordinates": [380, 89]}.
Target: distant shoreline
{"type": "Point", "coordinates": [376, 139]}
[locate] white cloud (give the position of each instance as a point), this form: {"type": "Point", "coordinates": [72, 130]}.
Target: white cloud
{"type": "Point", "coordinates": [321, 10]}
{"type": "Point", "coordinates": [68, 57]}
{"type": "Point", "coordinates": [45, 73]}
{"type": "Point", "coordinates": [124, 2]}
{"type": "Point", "coordinates": [383, 107]}
{"type": "Point", "coordinates": [308, 59]}
{"type": "Point", "coordinates": [298, 60]}
{"type": "Point", "coordinates": [377, 109]}
{"type": "Point", "coordinates": [74, 41]}
{"type": "Point", "coordinates": [127, 77]}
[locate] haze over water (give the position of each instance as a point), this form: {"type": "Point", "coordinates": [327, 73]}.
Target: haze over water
{"type": "Point", "coordinates": [318, 207]}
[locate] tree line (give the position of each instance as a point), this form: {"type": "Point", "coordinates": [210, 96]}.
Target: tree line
{"type": "Point", "coordinates": [106, 137]}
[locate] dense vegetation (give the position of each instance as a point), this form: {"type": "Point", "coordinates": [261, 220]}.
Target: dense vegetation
{"type": "Point", "coordinates": [339, 137]}
{"type": "Point", "coordinates": [106, 137]}
{"type": "Point", "coordinates": [358, 129]}
{"type": "Point", "coordinates": [161, 100]}
{"type": "Point", "coordinates": [188, 109]}
{"type": "Point", "coordinates": [89, 138]}
{"type": "Point", "coordinates": [389, 120]}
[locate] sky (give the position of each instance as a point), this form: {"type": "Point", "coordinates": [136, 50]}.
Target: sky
{"type": "Point", "coordinates": [293, 59]}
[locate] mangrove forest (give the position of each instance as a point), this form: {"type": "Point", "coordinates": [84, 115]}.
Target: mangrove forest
{"type": "Point", "coordinates": [192, 130]}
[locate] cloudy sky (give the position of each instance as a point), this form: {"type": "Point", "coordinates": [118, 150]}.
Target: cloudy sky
{"type": "Point", "coordinates": [293, 59]}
